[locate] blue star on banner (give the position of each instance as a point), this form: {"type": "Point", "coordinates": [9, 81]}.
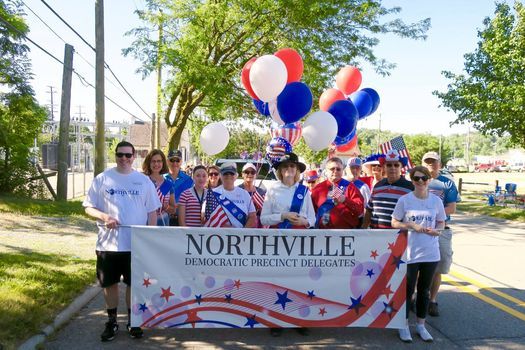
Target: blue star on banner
{"type": "Point", "coordinates": [397, 261]}
{"type": "Point", "coordinates": [250, 322]}
{"type": "Point", "coordinates": [198, 298]}
{"type": "Point", "coordinates": [282, 299]}
{"type": "Point", "coordinates": [228, 298]}
{"type": "Point", "coordinates": [143, 307]}
{"type": "Point", "coordinates": [311, 294]}
{"type": "Point", "coordinates": [370, 272]}
{"type": "Point", "coordinates": [389, 309]}
{"type": "Point", "coordinates": [356, 304]}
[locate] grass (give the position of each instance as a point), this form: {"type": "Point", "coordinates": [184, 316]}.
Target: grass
{"type": "Point", "coordinates": [35, 207]}
{"type": "Point", "coordinates": [46, 260]}
{"type": "Point", "coordinates": [509, 213]}
{"type": "Point", "coordinates": [34, 287]}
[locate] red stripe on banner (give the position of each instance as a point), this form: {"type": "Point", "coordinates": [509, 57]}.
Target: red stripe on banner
{"type": "Point", "coordinates": [397, 301]}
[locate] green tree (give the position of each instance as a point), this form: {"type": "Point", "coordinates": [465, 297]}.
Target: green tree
{"type": "Point", "coordinates": [21, 118]}
{"type": "Point", "coordinates": [205, 43]}
{"type": "Point", "coordinates": [420, 144]}
{"type": "Point", "coordinates": [491, 93]}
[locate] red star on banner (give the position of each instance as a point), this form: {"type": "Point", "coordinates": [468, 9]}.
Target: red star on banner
{"type": "Point", "coordinates": [146, 282]}
{"type": "Point", "coordinates": [192, 318]}
{"type": "Point", "coordinates": [391, 246]}
{"type": "Point", "coordinates": [237, 284]}
{"type": "Point", "coordinates": [387, 291]}
{"type": "Point", "coordinates": [322, 311]}
{"type": "Point", "coordinates": [373, 254]}
{"type": "Point", "coordinates": [166, 293]}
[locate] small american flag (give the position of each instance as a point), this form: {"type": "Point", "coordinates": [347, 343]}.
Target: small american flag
{"type": "Point", "coordinates": [337, 192]}
{"type": "Point", "coordinates": [258, 200]}
{"type": "Point", "coordinates": [214, 214]}
{"type": "Point", "coordinates": [398, 144]}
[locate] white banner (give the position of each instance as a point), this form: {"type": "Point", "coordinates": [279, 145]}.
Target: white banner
{"type": "Point", "coordinates": [247, 278]}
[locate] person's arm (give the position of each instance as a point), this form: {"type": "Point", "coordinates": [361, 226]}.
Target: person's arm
{"type": "Point", "coordinates": [450, 208]}
{"type": "Point", "coordinates": [267, 216]}
{"type": "Point", "coordinates": [172, 206]}
{"type": "Point", "coordinates": [367, 218]}
{"type": "Point", "coordinates": [110, 222]}
{"type": "Point", "coordinates": [182, 214]}
{"type": "Point", "coordinates": [252, 220]}
{"type": "Point", "coordinates": [352, 203]}
{"type": "Point", "coordinates": [152, 218]}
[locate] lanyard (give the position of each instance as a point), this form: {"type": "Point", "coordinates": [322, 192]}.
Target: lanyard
{"type": "Point", "coordinates": [201, 198]}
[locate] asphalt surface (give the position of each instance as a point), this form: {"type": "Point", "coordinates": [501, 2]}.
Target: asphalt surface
{"type": "Point", "coordinates": [482, 305]}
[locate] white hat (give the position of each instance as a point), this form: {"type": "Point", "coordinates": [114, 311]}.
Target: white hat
{"type": "Point", "coordinates": [431, 155]}
{"type": "Point", "coordinates": [248, 166]}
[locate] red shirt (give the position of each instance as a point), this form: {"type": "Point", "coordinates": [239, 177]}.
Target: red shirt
{"type": "Point", "coordinates": [343, 215]}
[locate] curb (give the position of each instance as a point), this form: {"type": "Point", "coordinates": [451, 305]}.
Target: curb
{"type": "Point", "coordinates": [64, 316]}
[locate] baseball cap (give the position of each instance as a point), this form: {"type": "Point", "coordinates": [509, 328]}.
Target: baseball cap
{"type": "Point", "coordinates": [249, 166]}
{"type": "Point", "coordinates": [311, 175]}
{"type": "Point", "coordinates": [431, 155]}
{"type": "Point", "coordinates": [175, 153]}
{"type": "Point", "coordinates": [355, 161]}
{"type": "Point", "coordinates": [228, 168]}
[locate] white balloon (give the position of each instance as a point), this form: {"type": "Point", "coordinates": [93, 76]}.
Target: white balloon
{"type": "Point", "coordinates": [214, 138]}
{"type": "Point", "coordinates": [319, 130]}
{"type": "Point", "coordinates": [268, 77]}
{"type": "Point", "coordinates": [274, 112]}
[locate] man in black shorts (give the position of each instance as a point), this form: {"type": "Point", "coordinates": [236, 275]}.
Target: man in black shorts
{"type": "Point", "coordinates": [117, 198]}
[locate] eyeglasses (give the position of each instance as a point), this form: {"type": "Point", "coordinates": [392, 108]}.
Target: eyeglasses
{"type": "Point", "coordinates": [395, 165]}
{"type": "Point", "coordinates": [213, 174]}
{"type": "Point", "coordinates": [249, 172]}
{"type": "Point", "coordinates": [175, 160]}
{"type": "Point", "coordinates": [335, 169]}
{"type": "Point", "coordinates": [417, 178]}
{"type": "Point", "coordinates": [127, 155]}
{"type": "Point", "coordinates": [311, 182]}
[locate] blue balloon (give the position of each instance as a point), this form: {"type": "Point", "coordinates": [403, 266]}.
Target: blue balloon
{"type": "Point", "coordinates": [363, 102]}
{"type": "Point", "coordinates": [375, 98]}
{"type": "Point", "coordinates": [277, 147]}
{"type": "Point", "coordinates": [294, 102]}
{"type": "Point", "coordinates": [262, 107]}
{"type": "Point", "coordinates": [345, 115]}
{"type": "Point", "coordinates": [339, 141]}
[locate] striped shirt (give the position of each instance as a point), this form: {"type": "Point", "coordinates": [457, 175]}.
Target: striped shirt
{"type": "Point", "coordinates": [383, 201]}
{"type": "Point", "coordinates": [192, 205]}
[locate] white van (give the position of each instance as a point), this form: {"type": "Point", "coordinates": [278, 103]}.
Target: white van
{"type": "Point", "coordinates": [518, 166]}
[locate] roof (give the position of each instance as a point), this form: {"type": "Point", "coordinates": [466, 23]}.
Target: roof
{"type": "Point", "coordinates": [140, 135]}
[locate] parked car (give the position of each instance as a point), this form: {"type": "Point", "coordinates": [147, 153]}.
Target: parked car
{"type": "Point", "coordinates": [265, 176]}
{"type": "Point", "coordinates": [501, 168]}
{"type": "Point", "coordinates": [484, 168]}
{"type": "Point", "coordinates": [519, 166]}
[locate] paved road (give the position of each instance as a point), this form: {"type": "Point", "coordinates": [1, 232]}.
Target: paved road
{"type": "Point", "coordinates": [482, 304]}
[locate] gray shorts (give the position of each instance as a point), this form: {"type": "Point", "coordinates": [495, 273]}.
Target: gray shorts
{"type": "Point", "coordinates": [445, 250]}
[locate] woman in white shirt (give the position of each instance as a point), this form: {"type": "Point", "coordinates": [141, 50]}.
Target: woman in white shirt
{"type": "Point", "coordinates": [288, 204]}
{"type": "Point", "coordinates": [423, 215]}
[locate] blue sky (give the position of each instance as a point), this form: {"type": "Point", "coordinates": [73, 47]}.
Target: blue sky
{"type": "Point", "coordinates": [407, 103]}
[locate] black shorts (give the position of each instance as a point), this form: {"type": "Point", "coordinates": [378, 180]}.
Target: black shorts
{"type": "Point", "coordinates": [111, 266]}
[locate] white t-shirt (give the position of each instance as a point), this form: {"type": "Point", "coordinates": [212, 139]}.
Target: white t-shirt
{"type": "Point", "coordinates": [421, 246]}
{"type": "Point", "coordinates": [126, 197]}
{"type": "Point", "coordinates": [241, 198]}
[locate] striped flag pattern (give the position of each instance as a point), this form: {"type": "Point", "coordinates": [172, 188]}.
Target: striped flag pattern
{"type": "Point", "coordinates": [290, 132]}
{"type": "Point", "coordinates": [214, 214]}
{"type": "Point", "coordinates": [398, 144]}
{"type": "Point", "coordinates": [258, 200]}
{"type": "Point", "coordinates": [336, 192]}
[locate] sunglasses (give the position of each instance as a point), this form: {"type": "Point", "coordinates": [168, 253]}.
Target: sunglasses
{"type": "Point", "coordinates": [417, 178]}
{"type": "Point", "coordinates": [228, 174]}
{"type": "Point", "coordinates": [311, 182]}
{"type": "Point", "coordinates": [127, 155]}
{"type": "Point", "coordinates": [213, 174]}
{"type": "Point", "coordinates": [175, 160]}
{"type": "Point", "coordinates": [395, 165]}
{"type": "Point", "coordinates": [249, 172]}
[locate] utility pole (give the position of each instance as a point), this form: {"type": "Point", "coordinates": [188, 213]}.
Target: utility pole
{"type": "Point", "coordinates": [440, 147]}
{"type": "Point", "coordinates": [153, 128]}
{"type": "Point", "coordinates": [159, 84]}
{"type": "Point", "coordinates": [63, 137]}
{"type": "Point", "coordinates": [379, 133]}
{"type": "Point", "coordinates": [468, 147]}
{"type": "Point", "coordinates": [100, 137]}
{"type": "Point", "coordinates": [52, 105]}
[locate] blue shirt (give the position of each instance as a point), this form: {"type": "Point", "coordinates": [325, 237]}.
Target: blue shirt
{"type": "Point", "coordinates": [180, 184]}
{"type": "Point", "coordinates": [445, 189]}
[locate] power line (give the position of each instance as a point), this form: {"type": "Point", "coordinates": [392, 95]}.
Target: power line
{"type": "Point", "coordinates": [106, 65]}
{"type": "Point", "coordinates": [62, 63]}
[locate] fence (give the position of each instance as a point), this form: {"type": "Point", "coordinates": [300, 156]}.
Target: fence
{"type": "Point", "coordinates": [477, 186]}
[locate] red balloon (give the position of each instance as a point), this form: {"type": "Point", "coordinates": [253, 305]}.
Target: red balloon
{"type": "Point", "coordinates": [348, 79]}
{"type": "Point", "coordinates": [328, 97]}
{"type": "Point", "coordinates": [245, 78]}
{"type": "Point", "coordinates": [348, 146]}
{"type": "Point", "coordinates": [293, 62]}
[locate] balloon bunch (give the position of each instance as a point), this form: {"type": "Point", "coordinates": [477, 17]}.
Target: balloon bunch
{"type": "Point", "coordinates": [273, 82]}
{"type": "Point", "coordinates": [347, 106]}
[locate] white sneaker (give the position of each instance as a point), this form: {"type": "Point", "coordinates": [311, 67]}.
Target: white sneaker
{"type": "Point", "coordinates": [404, 335]}
{"type": "Point", "coordinates": [423, 333]}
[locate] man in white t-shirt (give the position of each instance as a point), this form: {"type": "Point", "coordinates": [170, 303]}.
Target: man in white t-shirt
{"type": "Point", "coordinates": [236, 202]}
{"type": "Point", "coordinates": [119, 197]}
